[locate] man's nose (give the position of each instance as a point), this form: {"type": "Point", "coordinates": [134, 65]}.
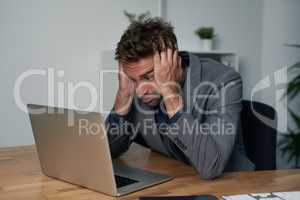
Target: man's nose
{"type": "Point", "coordinates": [142, 88]}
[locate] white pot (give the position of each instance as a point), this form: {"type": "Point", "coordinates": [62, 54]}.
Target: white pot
{"type": "Point", "coordinates": [206, 44]}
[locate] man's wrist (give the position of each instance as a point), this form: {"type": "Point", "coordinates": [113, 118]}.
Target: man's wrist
{"type": "Point", "coordinates": [121, 110]}
{"type": "Point", "coordinates": [122, 104]}
{"type": "Point", "coordinates": [173, 102]}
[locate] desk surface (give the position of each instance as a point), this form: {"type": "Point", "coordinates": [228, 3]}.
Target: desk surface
{"type": "Point", "coordinates": [21, 178]}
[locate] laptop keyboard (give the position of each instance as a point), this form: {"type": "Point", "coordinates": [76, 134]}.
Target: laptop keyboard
{"type": "Point", "coordinates": [123, 181]}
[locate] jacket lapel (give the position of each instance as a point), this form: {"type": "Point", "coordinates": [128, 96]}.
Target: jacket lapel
{"type": "Point", "coordinates": [193, 79]}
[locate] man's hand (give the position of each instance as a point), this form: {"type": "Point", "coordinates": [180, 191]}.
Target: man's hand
{"type": "Point", "coordinates": [168, 73]}
{"type": "Point", "coordinates": [125, 93]}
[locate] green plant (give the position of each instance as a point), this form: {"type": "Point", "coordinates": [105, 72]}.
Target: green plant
{"type": "Point", "coordinates": [290, 143]}
{"type": "Point", "coordinates": [205, 32]}
{"type": "Point", "coordinates": [137, 18]}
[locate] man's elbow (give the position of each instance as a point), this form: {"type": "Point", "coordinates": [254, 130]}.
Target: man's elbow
{"type": "Point", "coordinates": [211, 169]}
{"type": "Point", "coordinates": [210, 174]}
{"type": "Point", "coordinates": [117, 152]}
{"type": "Point", "coordinates": [119, 146]}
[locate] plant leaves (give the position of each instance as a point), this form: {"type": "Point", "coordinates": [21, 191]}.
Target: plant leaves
{"type": "Point", "coordinates": [295, 117]}
{"type": "Point", "coordinates": [293, 87]}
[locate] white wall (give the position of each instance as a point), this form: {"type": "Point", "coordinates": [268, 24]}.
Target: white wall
{"type": "Point", "coordinates": [67, 35]}
{"type": "Point", "coordinates": [238, 27]}
{"type": "Point", "coordinates": [280, 26]}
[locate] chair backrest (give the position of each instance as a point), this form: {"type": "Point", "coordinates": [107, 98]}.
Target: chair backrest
{"type": "Point", "coordinates": [259, 138]}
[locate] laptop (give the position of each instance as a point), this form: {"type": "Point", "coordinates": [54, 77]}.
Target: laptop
{"type": "Point", "coordinates": [72, 146]}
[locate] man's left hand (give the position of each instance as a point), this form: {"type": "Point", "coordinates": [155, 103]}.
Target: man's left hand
{"type": "Point", "coordinates": [168, 73]}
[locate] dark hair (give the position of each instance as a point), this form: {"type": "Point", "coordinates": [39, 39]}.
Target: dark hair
{"type": "Point", "coordinates": [143, 38]}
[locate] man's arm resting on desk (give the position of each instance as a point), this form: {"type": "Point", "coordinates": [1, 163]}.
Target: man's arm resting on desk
{"type": "Point", "coordinates": [118, 133]}
{"type": "Point", "coordinates": [207, 150]}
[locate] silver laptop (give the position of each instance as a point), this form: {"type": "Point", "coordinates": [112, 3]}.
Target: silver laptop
{"type": "Point", "coordinates": [72, 146]}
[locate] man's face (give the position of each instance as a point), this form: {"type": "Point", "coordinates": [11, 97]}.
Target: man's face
{"type": "Point", "coordinates": [141, 73]}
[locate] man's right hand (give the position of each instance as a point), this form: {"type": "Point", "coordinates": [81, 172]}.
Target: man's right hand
{"type": "Point", "coordinates": [125, 93]}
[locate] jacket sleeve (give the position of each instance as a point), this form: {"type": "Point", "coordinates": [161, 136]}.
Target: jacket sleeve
{"type": "Point", "coordinates": [208, 142]}
{"type": "Point", "coordinates": [118, 133]}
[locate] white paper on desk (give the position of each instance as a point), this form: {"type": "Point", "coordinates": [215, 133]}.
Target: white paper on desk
{"type": "Point", "coordinates": [295, 195]}
{"type": "Point", "coordinates": [288, 195]}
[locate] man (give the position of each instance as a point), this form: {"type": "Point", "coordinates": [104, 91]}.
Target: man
{"type": "Point", "coordinates": [175, 103]}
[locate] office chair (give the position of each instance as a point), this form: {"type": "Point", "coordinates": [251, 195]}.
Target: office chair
{"type": "Point", "coordinates": [259, 138]}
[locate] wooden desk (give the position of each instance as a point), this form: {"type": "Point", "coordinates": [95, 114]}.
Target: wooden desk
{"type": "Point", "coordinates": [21, 178]}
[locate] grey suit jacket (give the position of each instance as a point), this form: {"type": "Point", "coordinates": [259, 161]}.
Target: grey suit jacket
{"type": "Point", "coordinates": [206, 134]}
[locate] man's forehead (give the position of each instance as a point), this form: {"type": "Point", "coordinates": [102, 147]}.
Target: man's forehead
{"type": "Point", "coordinates": [139, 67]}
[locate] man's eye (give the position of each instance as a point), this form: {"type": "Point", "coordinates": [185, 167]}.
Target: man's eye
{"type": "Point", "coordinates": [150, 77]}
